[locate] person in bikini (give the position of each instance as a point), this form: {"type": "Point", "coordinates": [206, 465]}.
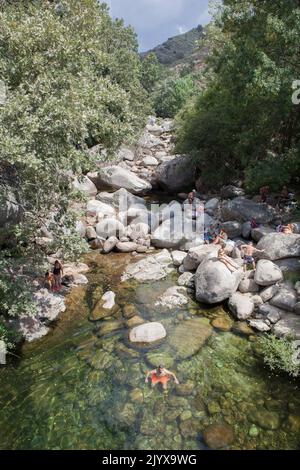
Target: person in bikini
{"type": "Point", "coordinates": [287, 229]}
{"type": "Point", "coordinates": [57, 275]}
{"type": "Point", "coordinates": [249, 251]}
{"type": "Point", "coordinates": [160, 375]}
{"type": "Point", "coordinates": [225, 259]}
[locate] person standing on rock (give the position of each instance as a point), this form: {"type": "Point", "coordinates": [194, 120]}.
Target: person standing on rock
{"type": "Point", "coordinates": [160, 375]}
{"type": "Point", "coordinates": [249, 251]}
{"type": "Point", "coordinates": [57, 275]}
{"type": "Point", "coordinates": [193, 206]}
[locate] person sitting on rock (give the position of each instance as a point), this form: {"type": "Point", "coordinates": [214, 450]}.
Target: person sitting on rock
{"type": "Point", "coordinates": [193, 205]}
{"type": "Point", "coordinates": [249, 251]}
{"type": "Point", "coordinates": [264, 192]}
{"type": "Point", "coordinates": [220, 238]}
{"type": "Point", "coordinates": [57, 275]}
{"type": "Point", "coordinates": [160, 375]}
{"type": "Point", "coordinates": [207, 237]}
{"type": "Point", "coordinates": [225, 259]}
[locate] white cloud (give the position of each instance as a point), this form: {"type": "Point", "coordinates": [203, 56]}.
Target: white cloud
{"type": "Point", "coordinates": [156, 20]}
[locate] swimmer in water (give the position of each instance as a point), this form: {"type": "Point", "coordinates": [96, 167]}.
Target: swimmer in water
{"type": "Point", "coordinates": [160, 375]}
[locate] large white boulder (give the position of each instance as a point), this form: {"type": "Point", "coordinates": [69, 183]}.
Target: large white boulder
{"type": "Point", "coordinates": [175, 175]}
{"type": "Point", "coordinates": [166, 235]}
{"type": "Point", "coordinates": [286, 298]}
{"type": "Point", "coordinates": [267, 273]}
{"type": "Point", "coordinates": [97, 207]}
{"type": "Point", "coordinates": [85, 185]}
{"type": "Point", "coordinates": [174, 297]}
{"type": "Point", "coordinates": [214, 282]}
{"type": "Point", "coordinates": [110, 227]}
{"type": "Point", "coordinates": [279, 245]}
{"type": "Point", "coordinates": [197, 254]}
{"type": "Point", "coordinates": [232, 228]}
{"type": "Point", "coordinates": [261, 231]}
{"type": "Point", "coordinates": [178, 257]}
{"type": "Point", "coordinates": [151, 268]}
{"type": "Point", "coordinates": [212, 205]}
{"type": "Point", "coordinates": [147, 333]}
{"type": "Point", "coordinates": [243, 210]}
{"type": "Point", "coordinates": [116, 177]}
{"type": "Point", "coordinates": [241, 306]}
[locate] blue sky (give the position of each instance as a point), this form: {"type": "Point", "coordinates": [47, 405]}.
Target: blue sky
{"type": "Point", "coordinates": [157, 20]}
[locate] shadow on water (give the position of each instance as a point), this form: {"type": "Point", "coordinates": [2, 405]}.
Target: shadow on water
{"type": "Point", "coordinates": [82, 386]}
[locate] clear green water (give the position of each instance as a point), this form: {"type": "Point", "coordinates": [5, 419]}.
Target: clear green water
{"type": "Point", "coordinates": [82, 387]}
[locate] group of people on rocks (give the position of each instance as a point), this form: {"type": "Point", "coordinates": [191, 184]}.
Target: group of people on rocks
{"type": "Point", "coordinates": [53, 277]}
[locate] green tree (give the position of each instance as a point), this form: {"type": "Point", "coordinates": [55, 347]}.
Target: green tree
{"type": "Point", "coordinates": [151, 71]}
{"type": "Point", "coordinates": [172, 94]}
{"type": "Point", "coordinates": [246, 115]}
{"type": "Point", "coordinates": [73, 79]}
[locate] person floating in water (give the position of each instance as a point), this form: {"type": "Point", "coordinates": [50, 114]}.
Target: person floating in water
{"type": "Point", "coordinates": [57, 275]}
{"type": "Point", "coordinates": [160, 375]}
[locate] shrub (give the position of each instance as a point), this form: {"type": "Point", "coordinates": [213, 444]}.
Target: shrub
{"type": "Point", "coordinates": [279, 354]}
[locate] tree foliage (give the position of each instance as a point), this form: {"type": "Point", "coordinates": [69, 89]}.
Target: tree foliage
{"type": "Point", "coordinates": [172, 94]}
{"type": "Point", "coordinates": [245, 121]}
{"type": "Point", "coordinates": [73, 79]}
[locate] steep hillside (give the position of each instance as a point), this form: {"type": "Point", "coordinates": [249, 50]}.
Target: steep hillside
{"type": "Point", "coordinates": [179, 48]}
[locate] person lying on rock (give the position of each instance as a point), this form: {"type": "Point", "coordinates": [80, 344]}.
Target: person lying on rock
{"type": "Point", "coordinates": [225, 259]}
{"type": "Point", "coordinates": [249, 251]}
{"type": "Point", "coordinates": [160, 375]}
{"type": "Point", "coordinates": [287, 229]}
{"type": "Point", "coordinates": [57, 274]}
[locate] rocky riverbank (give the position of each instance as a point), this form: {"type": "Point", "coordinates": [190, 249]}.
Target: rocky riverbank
{"type": "Point", "coordinates": [119, 217]}
{"type": "Point", "coordinates": [122, 220]}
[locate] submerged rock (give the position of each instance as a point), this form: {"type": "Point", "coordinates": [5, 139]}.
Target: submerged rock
{"type": "Point", "coordinates": [268, 420]}
{"type": "Point", "coordinates": [147, 333]}
{"type": "Point", "coordinates": [105, 307]}
{"type": "Point", "coordinates": [190, 336]}
{"type": "Point", "coordinates": [222, 323]}
{"type": "Point", "coordinates": [151, 268]}
{"type": "Point", "coordinates": [157, 358]}
{"type": "Point", "coordinates": [174, 297]}
{"type": "Point", "coordinates": [218, 435]}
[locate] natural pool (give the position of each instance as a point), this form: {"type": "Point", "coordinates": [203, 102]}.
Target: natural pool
{"type": "Point", "coordinates": [82, 386]}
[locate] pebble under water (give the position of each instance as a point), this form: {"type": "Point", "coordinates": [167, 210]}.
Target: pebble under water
{"type": "Point", "coordinates": [83, 386]}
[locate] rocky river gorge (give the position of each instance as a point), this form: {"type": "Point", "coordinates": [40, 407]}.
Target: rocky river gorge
{"type": "Point", "coordinates": [83, 384]}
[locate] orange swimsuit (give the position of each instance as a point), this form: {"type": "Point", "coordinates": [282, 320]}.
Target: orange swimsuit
{"type": "Point", "coordinates": [160, 378]}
